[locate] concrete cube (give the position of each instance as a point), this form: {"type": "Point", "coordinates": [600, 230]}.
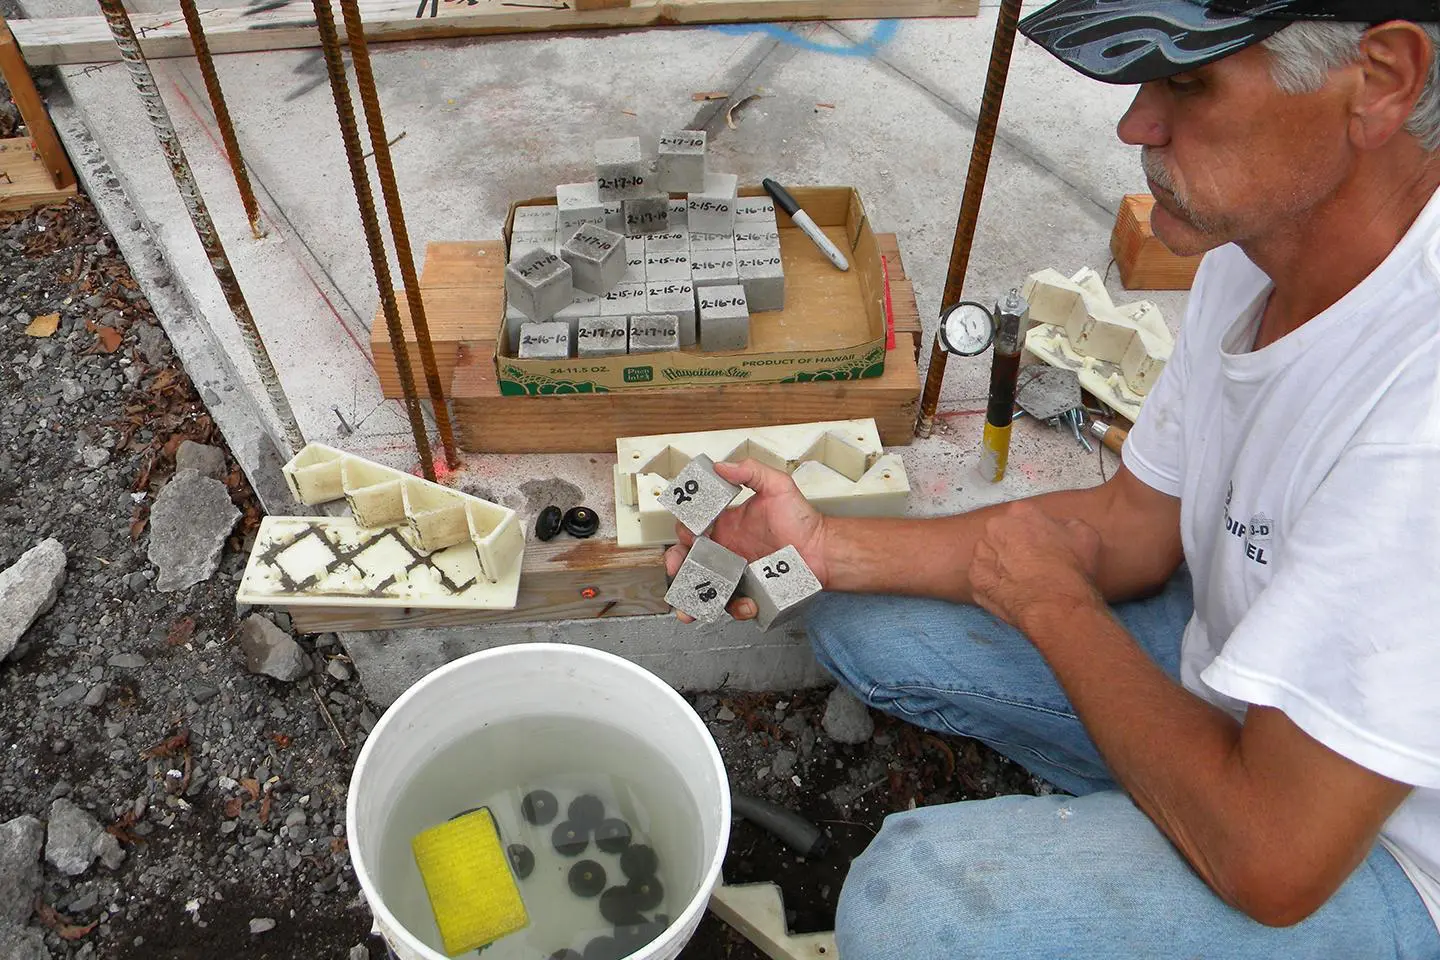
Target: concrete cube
{"type": "Point", "coordinates": [647, 215]}
{"type": "Point", "coordinates": [698, 494]}
{"type": "Point", "coordinates": [679, 215]}
{"type": "Point", "coordinates": [514, 320]}
{"type": "Point", "coordinates": [754, 209]}
{"type": "Point", "coordinates": [782, 586]}
{"type": "Point", "coordinates": [614, 215]}
{"type": "Point", "coordinates": [624, 300]}
{"type": "Point", "coordinates": [583, 305]}
{"type": "Point", "coordinates": [602, 337]}
{"type": "Point", "coordinates": [634, 260]}
{"type": "Point", "coordinates": [706, 581]}
{"type": "Point", "coordinates": [680, 165]}
{"type": "Point", "coordinates": [754, 236]}
{"type": "Point", "coordinates": [714, 268]}
{"type": "Point", "coordinates": [523, 243]}
{"type": "Point", "coordinates": [712, 241]}
{"type": "Point", "coordinates": [724, 318]}
{"type": "Point", "coordinates": [666, 266]}
{"type": "Point", "coordinates": [762, 274]}
{"type": "Point", "coordinates": [542, 219]}
{"type": "Point", "coordinates": [547, 340]}
{"type": "Point", "coordinates": [675, 297]}
{"type": "Point", "coordinates": [539, 285]}
{"type": "Point", "coordinates": [621, 170]}
{"type": "Point", "coordinates": [673, 241]}
{"type": "Point", "coordinates": [596, 257]}
{"type": "Point", "coordinates": [712, 210]}
{"type": "Point", "coordinates": [652, 333]}
{"type": "Point", "coordinates": [577, 205]}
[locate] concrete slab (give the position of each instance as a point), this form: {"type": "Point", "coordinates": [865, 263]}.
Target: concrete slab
{"type": "Point", "coordinates": [487, 122]}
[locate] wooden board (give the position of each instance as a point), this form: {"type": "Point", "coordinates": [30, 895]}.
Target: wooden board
{"type": "Point", "coordinates": [1145, 263]}
{"type": "Point", "coordinates": [235, 30]}
{"type": "Point", "coordinates": [627, 583]}
{"type": "Point", "coordinates": [32, 111]}
{"type": "Point", "coordinates": [24, 181]}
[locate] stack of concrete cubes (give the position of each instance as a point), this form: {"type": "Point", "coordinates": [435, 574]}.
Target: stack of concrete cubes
{"type": "Point", "coordinates": [628, 269]}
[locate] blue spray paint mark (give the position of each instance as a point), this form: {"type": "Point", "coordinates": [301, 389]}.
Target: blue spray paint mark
{"type": "Point", "coordinates": [883, 33]}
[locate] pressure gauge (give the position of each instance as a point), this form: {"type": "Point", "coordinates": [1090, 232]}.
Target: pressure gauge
{"type": "Point", "coordinates": [966, 329]}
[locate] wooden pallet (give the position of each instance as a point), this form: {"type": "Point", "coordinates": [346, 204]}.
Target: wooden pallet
{"type": "Point", "coordinates": [60, 40]}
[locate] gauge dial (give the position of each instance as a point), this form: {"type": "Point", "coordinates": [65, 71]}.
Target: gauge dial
{"type": "Point", "coordinates": [966, 329]}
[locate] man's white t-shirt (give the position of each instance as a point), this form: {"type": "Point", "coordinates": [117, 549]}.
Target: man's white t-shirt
{"type": "Point", "coordinates": [1309, 479]}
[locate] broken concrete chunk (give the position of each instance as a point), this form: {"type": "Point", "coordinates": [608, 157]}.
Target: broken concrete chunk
{"type": "Point", "coordinates": [108, 849]}
{"type": "Point", "coordinates": [847, 720]}
{"type": "Point", "coordinates": [27, 589]}
{"type": "Point", "coordinates": [21, 841]}
{"type": "Point", "coordinates": [270, 650]}
{"type": "Point", "coordinates": [189, 524]}
{"type": "Point", "coordinates": [73, 838]}
{"type": "Point", "coordinates": [22, 943]}
{"type": "Point", "coordinates": [205, 460]}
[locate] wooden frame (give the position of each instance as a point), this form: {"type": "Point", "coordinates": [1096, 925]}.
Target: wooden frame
{"type": "Point", "coordinates": [62, 40]}
{"type": "Point", "coordinates": [46, 175]}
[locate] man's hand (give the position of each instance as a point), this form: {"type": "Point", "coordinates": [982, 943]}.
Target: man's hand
{"type": "Point", "coordinates": [1025, 562]}
{"type": "Point", "coordinates": [778, 515]}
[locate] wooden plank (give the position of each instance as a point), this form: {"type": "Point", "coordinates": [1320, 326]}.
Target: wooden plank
{"type": "Point", "coordinates": [24, 181]}
{"type": "Point", "coordinates": [33, 112]}
{"type": "Point", "coordinates": [1145, 263]}
{"type": "Point", "coordinates": [61, 40]}
{"type": "Point", "coordinates": [626, 583]}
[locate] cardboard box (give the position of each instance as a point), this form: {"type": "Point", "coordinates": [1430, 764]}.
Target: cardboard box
{"type": "Point", "coordinates": [832, 328]}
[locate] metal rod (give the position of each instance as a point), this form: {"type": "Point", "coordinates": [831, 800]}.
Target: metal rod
{"type": "Point", "coordinates": [124, 33]}
{"type": "Point", "coordinates": [989, 118]}
{"type": "Point", "coordinates": [390, 190]}
{"type": "Point", "coordinates": [222, 115]}
{"type": "Point", "coordinates": [360, 177]}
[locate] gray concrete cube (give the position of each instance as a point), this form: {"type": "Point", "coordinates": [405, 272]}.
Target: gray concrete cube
{"type": "Point", "coordinates": [623, 301]}
{"type": "Point", "coordinates": [514, 320]}
{"type": "Point", "coordinates": [660, 267]}
{"type": "Point", "coordinates": [698, 494]}
{"type": "Point", "coordinates": [597, 259]}
{"type": "Point", "coordinates": [614, 215]}
{"type": "Point", "coordinates": [646, 216]}
{"type": "Point", "coordinates": [680, 161]}
{"type": "Point", "coordinates": [547, 340]}
{"type": "Point", "coordinates": [706, 581]}
{"type": "Point", "coordinates": [782, 586]}
{"type": "Point", "coordinates": [724, 318]}
{"type": "Point", "coordinates": [762, 274]}
{"type": "Point", "coordinates": [634, 260]}
{"type": "Point", "coordinates": [753, 209]}
{"type": "Point", "coordinates": [602, 337]}
{"type": "Point", "coordinates": [577, 204]}
{"type": "Point", "coordinates": [712, 210]}
{"type": "Point", "coordinates": [712, 241]}
{"type": "Point", "coordinates": [679, 215]}
{"type": "Point", "coordinates": [714, 268]}
{"type": "Point", "coordinates": [538, 285]}
{"type": "Point", "coordinates": [542, 219]}
{"type": "Point", "coordinates": [621, 170]}
{"type": "Point", "coordinates": [523, 243]}
{"type": "Point", "coordinates": [672, 241]}
{"type": "Point", "coordinates": [754, 236]}
{"type": "Point", "coordinates": [653, 333]}
{"type": "Point", "coordinates": [675, 297]}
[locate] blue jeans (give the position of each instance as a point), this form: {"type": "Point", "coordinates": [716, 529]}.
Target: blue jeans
{"type": "Point", "coordinates": [1080, 877]}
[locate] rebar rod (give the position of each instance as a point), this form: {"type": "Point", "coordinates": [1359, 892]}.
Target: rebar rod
{"type": "Point", "coordinates": [124, 33]}
{"type": "Point", "coordinates": [222, 115]}
{"type": "Point", "coordinates": [985, 124]}
{"type": "Point", "coordinates": [360, 178]}
{"type": "Point", "coordinates": [399, 234]}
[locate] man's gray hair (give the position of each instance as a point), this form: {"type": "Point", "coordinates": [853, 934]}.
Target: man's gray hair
{"type": "Point", "coordinates": [1303, 54]}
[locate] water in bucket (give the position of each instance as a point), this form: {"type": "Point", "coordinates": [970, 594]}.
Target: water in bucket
{"type": "Point", "coordinates": [502, 763]}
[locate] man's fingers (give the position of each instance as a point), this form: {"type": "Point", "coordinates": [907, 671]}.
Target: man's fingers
{"type": "Point", "coordinates": [687, 539]}
{"type": "Point", "coordinates": [674, 557]}
{"type": "Point", "coordinates": [765, 481]}
{"type": "Point", "coordinates": [743, 608]}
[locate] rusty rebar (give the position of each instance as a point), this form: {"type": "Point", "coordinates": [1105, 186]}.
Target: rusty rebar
{"type": "Point", "coordinates": [360, 178]}
{"type": "Point", "coordinates": [222, 115]}
{"type": "Point", "coordinates": [124, 33]}
{"type": "Point", "coordinates": [985, 124]}
{"type": "Point", "coordinates": [399, 234]}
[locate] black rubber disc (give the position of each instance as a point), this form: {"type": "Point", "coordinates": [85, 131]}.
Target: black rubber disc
{"type": "Point", "coordinates": [521, 859]}
{"type": "Point", "coordinates": [612, 835]}
{"type": "Point", "coordinates": [539, 807]}
{"type": "Point", "coordinates": [547, 525]}
{"type": "Point", "coordinates": [570, 839]}
{"type": "Point", "coordinates": [638, 862]}
{"type": "Point", "coordinates": [566, 955]}
{"type": "Point", "coordinates": [581, 522]}
{"type": "Point", "coordinates": [587, 810]}
{"type": "Point", "coordinates": [647, 893]}
{"type": "Point", "coordinates": [617, 906]}
{"type": "Point", "coordinates": [587, 879]}
{"type": "Point", "coordinates": [604, 948]}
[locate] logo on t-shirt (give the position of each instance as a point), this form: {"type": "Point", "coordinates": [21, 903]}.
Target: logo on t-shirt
{"type": "Point", "coordinates": [1255, 535]}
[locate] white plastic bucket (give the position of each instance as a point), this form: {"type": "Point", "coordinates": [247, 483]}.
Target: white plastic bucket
{"type": "Point", "coordinates": [530, 680]}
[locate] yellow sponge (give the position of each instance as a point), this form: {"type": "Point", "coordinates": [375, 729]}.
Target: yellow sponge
{"type": "Point", "coordinates": [467, 875]}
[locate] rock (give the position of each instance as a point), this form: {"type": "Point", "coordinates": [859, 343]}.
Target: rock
{"type": "Point", "coordinates": [725, 715]}
{"type": "Point", "coordinates": [22, 943]}
{"type": "Point", "coordinates": [847, 720]}
{"type": "Point", "coordinates": [189, 524]}
{"type": "Point", "coordinates": [21, 840]}
{"type": "Point", "coordinates": [203, 459]}
{"type": "Point", "coordinates": [261, 925]}
{"type": "Point", "coordinates": [271, 651]}
{"type": "Point", "coordinates": [71, 695]}
{"type": "Point", "coordinates": [127, 661]}
{"type": "Point", "coordinates": [73, 839]}
{"type": "Point", "coordinates": [71, 391]}
{"type": "Point", "coordinates": [27, 589]}
{"type": "Point", "coordinates": [83, 904]}
{"type": "Point", "coordinates": [96, 696]}
{"type": "Point", "coordinates": [94, 457]}
{"type": "Point", "coordinates": [784, 763]}
{"type": "Point", "coordinates": [359, 952]}
{"type": "Point", "coordinates": [202, 692]}
{"type": "Point", "coordinates": [338, 670]}
{"type": "Point", "coordinates": [109, 850]}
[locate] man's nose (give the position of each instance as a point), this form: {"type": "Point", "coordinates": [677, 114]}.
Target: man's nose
{"type": "Point", "coordinates": [1145, 124]}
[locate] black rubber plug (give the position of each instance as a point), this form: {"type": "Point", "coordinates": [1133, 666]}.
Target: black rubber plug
{"type": "Point", "coordinates": [612, 835]}
{"type": "Point", "coordinates": [638, 862]}
{"type": "Point", "coordinates": [617, 906]}
{"type": "Point", "coordinates": [587, 879]}
{"type": "Point", "coordinates": [539, 807]}
{"type": "Point", "coordinates": [547, 525]}
{"type": "Point", "coordinates": [570, 839]}
{"type": "Point", "coordinates": [587, 810]}
{"type": "Point", "coordinates": [521, 859]}
{"type": "Point", "coordinates": [604, 948]}
{"type": "Point", "coordinates": [581, 522]}
{"type": "Point", "coordinates": [647, 893]}
{"type": "Point", "coordinates": [566, 955]}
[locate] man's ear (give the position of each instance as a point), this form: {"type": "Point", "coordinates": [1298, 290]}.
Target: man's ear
{"type": "Point", "coordinates": [1395, 60]}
